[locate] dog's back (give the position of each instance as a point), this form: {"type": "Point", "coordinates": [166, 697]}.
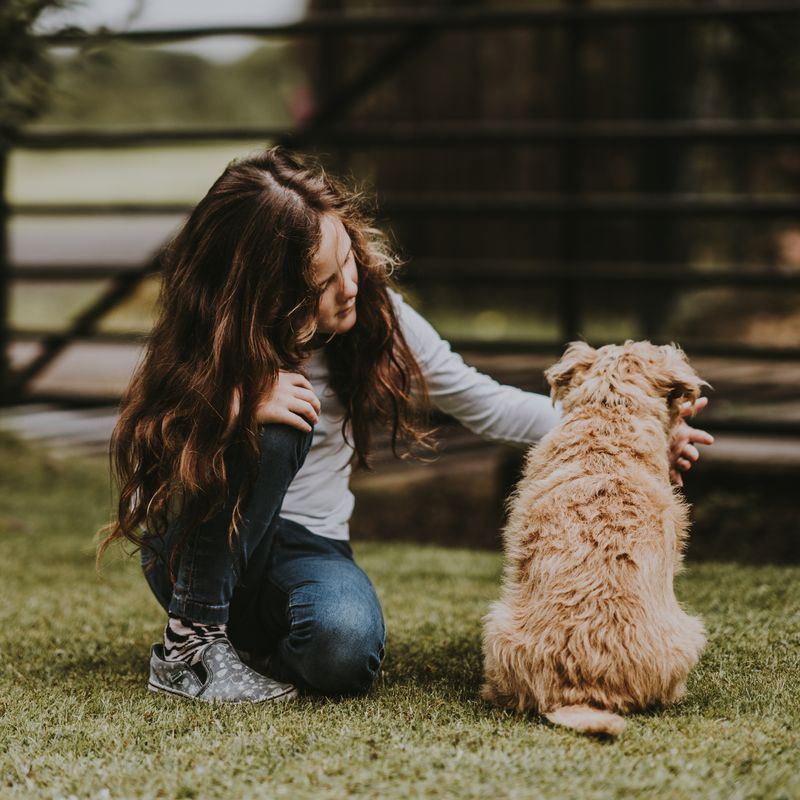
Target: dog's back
{"type": "Point", "coordinates": [588, 618]}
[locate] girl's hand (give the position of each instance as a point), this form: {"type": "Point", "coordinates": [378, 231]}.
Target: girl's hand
{"type": "Point", "coordinates": [292, 402]}
{"type": "Point", "coordinates": [682, 451]}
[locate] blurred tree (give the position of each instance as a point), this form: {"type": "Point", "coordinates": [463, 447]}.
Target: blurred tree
{"type": "Point", "coordinates": [119, 83]}
{"type": "Point", "coordinates": [25, 70]}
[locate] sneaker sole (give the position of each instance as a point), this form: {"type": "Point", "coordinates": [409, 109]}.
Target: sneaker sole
{"type": "Point", "coordinates": [280, 698]}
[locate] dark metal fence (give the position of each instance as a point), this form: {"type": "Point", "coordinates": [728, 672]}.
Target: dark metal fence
{"type": "Point", "coordinates": [568, 275]}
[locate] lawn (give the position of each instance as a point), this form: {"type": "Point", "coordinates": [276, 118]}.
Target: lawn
{"type": "Point", "coordinates": [77, 719]}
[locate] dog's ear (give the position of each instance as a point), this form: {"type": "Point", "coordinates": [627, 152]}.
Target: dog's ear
{"type": "Point", "coordinates": [577, 359]}
{"type": "Point", "coordinates": [675, 378]}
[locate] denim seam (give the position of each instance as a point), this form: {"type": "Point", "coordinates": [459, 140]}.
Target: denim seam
{"type": "Point", "coordinates": [183, 600]}
{"type": "Point", "coordinates": [290, 609]}
{"type": "Point", "coordinates": [190, 569]}
{"type": "Point", "coordinates": [206, 614]}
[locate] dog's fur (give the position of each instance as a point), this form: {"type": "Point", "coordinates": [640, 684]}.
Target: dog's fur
{"type": "Point", "coordinates": [588, 626]}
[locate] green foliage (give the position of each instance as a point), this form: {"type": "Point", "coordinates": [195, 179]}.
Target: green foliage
{"type": "Point", "coordinates": [25, 70]}
{"type": "Point", "coordinates": [76, 718]}
{"type": "Point", "coordinates": [106, 82]}
{"type": "Point", "coordinates": [115, 83]}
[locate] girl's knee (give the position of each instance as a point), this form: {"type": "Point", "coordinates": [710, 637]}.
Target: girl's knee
{"type": "Point", "coordinates": [348, 667]}
{"type": "Point", "coordinates": [340, 656]}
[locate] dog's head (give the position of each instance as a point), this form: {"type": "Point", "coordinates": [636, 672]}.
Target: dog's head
{"type": "Point", "coordinates": [631, 374]}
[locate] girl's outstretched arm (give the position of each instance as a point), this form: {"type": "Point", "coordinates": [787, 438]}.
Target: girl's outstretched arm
{"type": "Point", "coordinates": [493, 410]}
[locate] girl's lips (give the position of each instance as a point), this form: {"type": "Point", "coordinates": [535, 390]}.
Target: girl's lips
{"type": "Point", "coordinates": [346, 310]}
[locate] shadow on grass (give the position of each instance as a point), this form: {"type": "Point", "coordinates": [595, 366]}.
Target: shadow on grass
{"type": "Point", "coordinates": [453, 669]}
{"type": "Point", "coordinates": [104, 663]}
{"type": "Point", "coordinates": [454, 663]}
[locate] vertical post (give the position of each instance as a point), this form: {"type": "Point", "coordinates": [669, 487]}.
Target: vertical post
{"type": "Point", "coordinates": [571, 180]}
{"type": "Point", "coordinates": [738, 158]}
{"type": "Point", "coordinates": [328, 69]}
{"type": "Point", "coordinates": [5, 368]}
{"type": "Point", "coordinates": [663, 52]}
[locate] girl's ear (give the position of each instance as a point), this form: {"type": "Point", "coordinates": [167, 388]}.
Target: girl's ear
{"type": "Point", "coordinates": [675, 378]}
{"type": "Point", "coordinates": [577, 359]}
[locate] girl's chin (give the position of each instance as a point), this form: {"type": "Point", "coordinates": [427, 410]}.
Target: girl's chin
{"type": "Point", "coordinates": [339, 324]}
{"type": "Point", "coordinates": [346, 321]}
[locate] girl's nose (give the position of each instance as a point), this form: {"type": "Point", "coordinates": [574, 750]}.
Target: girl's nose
{"type": "Point", "coordinates": [349, 283]}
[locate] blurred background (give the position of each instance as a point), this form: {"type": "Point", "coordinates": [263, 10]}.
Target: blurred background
{"type": "Point", "coordinates": [550, 171]}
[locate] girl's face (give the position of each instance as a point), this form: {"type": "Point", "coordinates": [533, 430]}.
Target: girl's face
{"type": "Point", "coordinates": [336, 275]}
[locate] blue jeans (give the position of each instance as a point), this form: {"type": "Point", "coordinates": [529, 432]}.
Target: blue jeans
{"type": "Point", "coordinates": [284, 591]}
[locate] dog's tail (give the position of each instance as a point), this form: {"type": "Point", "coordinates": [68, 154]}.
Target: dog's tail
{"type": "Point", "coordinates": [588, 720]}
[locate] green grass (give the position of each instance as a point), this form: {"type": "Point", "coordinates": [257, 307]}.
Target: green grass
{"type": "Point", "coordinates": [76, 718]}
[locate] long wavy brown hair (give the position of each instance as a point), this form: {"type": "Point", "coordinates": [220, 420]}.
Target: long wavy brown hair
{"type": "Point", "coordinates": [238, 303]}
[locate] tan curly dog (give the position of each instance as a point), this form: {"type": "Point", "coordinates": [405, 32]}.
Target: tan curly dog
{"type": "Point", "coordinates": [588, 626]}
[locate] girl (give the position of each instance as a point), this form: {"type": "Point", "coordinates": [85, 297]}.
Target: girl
{"type": "Point", "coordinates": [280, 341]}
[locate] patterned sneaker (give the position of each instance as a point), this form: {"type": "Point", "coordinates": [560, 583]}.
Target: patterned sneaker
{"type": "Point", "coordinates": [261, 664]}
{"type": "Point", "coordinates": [219, 676]}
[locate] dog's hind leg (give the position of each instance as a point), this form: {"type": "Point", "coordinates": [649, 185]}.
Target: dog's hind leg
{"type": "Point", "coordinates": [519, 670]}
{"type": "Point", "coordinates": [503, 656]}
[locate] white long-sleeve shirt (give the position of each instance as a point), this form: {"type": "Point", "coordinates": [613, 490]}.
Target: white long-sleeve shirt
{"type": "Point", "coordinates": [319, 497]}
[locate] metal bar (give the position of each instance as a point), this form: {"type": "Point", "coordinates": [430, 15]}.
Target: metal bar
{"type": "Point", "coordinates": [325, 81]}
{"type": "Point", "coordinates": [54, 343]}
{"type": "Point", "coordinates": [489, 347]}
{"type": "Point", "coordinates": [95, 336]}
{"type": "Point", "coordinates": [568, 291]}
{"type": "Point", "coordinates": [465, 205]}
{"type": "Point", "coordinates": [752, 426]}
{"type": "Point", "coordinates": [5, 369]}
{"type": "Point", "coordinates": [68, 272]}
{"type": "Point", "coordinates": [53, 138]}
{"type": "Point", "coordinates": [485, 203]}
{"type": "Point", "coordinates": [657, 65]}
{"type": "Point", "coordinates": [519, 273]}
{"type": "Point", "coordinates": [525, 203]}
{"type": "Point", "coordinates": [99, 209]}
{"type": "Point", "coordinates": [444, 133]}
{"type": "Point", "coordinates": [692, 348]}
{"type": "Point", "coordinates": [481, 271]}
{"type": "Point", "coordinates": [745, 426]}
{"type": "Point", "coordinates": [465, 19]}
{"type": "Point", "coordinates": [69, 401]}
